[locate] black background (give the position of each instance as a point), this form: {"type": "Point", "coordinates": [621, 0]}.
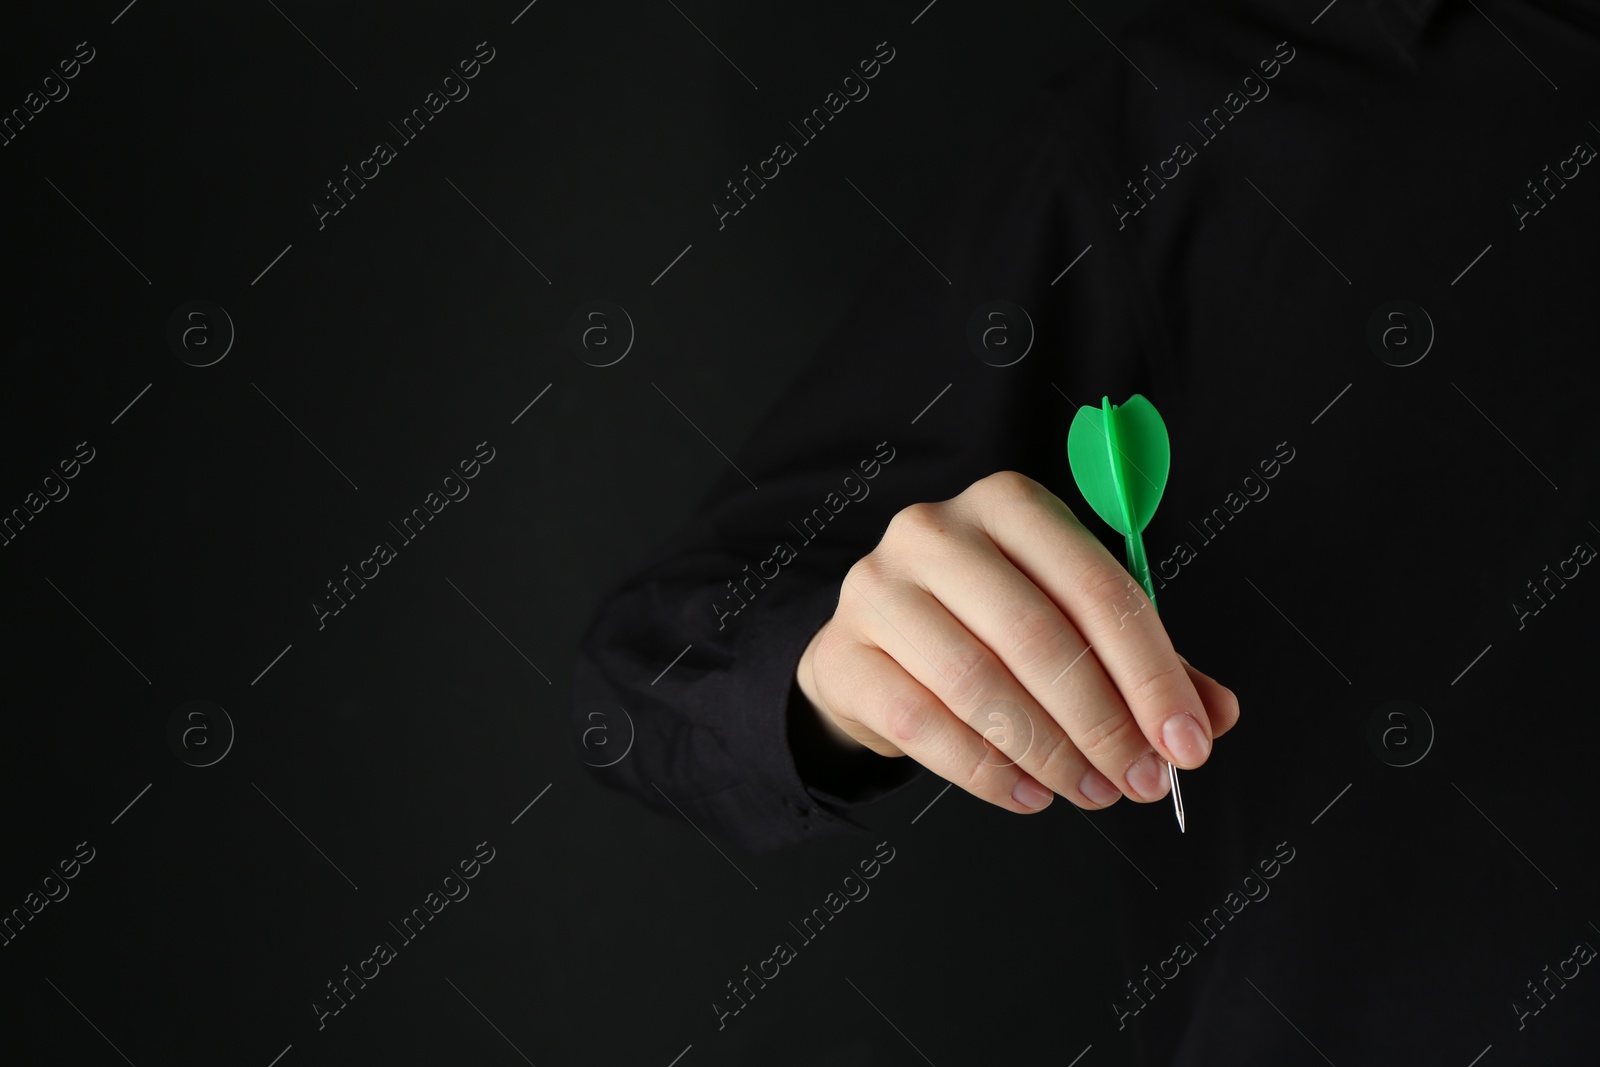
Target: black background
{"type": "Point", "coordinates": [428, 714]}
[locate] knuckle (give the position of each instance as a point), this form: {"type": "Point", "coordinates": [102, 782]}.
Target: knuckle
{"type": "Point", "coordinates": [966, 673]}
{"type": "Point", "coordinates": [836, 666]}
{"type": "Point", "coordinates": [827, 659]}
{"type": "Point", "coordinates": [979, 779]}
{"type": "Point", "coordinates": [1007, 726]}
{"type": "Point", "coordinates": [1117, 734]}
{"type": "Point", "coordinates": [1158, 684]}
{"type": "Point", "coordinates": [864, 584]}
{"type": "Point", "coordinates": [906, 716]}
{"type": "Point", "coordinates": [1056, 759]}
{"type": "Point", "coordinates": [1003, 486]}
{"type": "Point", "coordinates": [864, 571]}
{"type": "Point", "coordinates": [973, 782]}
{"type": "Point", "coordinates": [914, 523]}
{"type": "Point", "coordinates": [1104, 584]}
{"type": "Point", "coordinates": [1032, 634]}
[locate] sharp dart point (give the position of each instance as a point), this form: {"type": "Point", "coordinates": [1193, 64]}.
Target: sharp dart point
{"type": "Point", "coordinates": [1177, 798]}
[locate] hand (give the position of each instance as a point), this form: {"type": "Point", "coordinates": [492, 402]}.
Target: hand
{"type": "Point", "coordinates": [994, 640]}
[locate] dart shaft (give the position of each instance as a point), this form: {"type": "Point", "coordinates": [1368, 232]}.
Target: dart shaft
{"type": "Point", "coordinates": [1139, 565]}
{"type": "Point", "coordinates": [1138, 562]}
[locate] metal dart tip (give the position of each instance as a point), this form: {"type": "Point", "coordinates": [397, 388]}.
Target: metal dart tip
{"type": "Point", "coordinates": [1177, 797]}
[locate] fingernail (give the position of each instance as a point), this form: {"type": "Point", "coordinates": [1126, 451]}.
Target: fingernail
{"type": "Point", "coordinates": [1148, 777]}
{"type": "Point", "coordinates": [1030, 794]}
{"type": "Point", "coordinates": [1185, 740]}
{"type": "Point", "coordinates": [1098, 788]}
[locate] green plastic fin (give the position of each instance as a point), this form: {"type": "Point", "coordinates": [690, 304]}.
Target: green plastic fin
{"type": "Point", "coordinates": [1120, 456]}
{"type": "Point", "coordinates": [1144, 454]}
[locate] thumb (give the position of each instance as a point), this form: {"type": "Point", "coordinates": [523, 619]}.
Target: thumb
{"type": "Point", "coordinates": [1222, 706]}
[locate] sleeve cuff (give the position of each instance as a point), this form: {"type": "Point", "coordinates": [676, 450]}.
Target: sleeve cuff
{"type": "Point", "coordinates": [830, 788]}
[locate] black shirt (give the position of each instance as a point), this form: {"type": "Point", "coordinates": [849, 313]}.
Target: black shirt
{"type": "Point", "coordinates": [1351, 257]}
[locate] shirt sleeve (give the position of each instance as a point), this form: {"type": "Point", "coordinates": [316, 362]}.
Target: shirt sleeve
{"type": "Point", "coordinates": [957, 361]}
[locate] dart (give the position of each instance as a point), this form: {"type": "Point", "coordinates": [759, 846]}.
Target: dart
{"type": "Point", "coordinates": [1120, 456]}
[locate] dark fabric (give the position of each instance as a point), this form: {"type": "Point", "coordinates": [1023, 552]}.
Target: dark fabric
{"type": "Point", "coordinates": [1408, 513]}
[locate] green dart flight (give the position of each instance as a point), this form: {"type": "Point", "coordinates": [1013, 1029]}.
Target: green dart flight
{"type": "Point", "coordinates": [1120, 456]}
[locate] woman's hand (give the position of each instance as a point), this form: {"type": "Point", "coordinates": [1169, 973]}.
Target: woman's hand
{"type": "Point", "coordinates": [994, 640]}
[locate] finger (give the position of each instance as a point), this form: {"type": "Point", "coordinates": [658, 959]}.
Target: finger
{"type": "Point", "coordinates": [877, 692]}
{"type": "Point", "coordinates": [1045, 541]}
{"type": "Point", "coordinates": [963, 674]}
{"type": "Point", "coordinates": [1038, 649]}
{"type": "Point", "coordinates": [1222, 706]}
